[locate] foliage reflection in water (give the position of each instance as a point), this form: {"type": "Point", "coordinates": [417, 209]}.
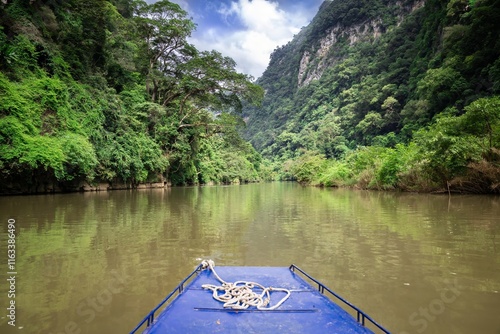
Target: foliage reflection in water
{"type": "Point", "coordinates": [98, 262]}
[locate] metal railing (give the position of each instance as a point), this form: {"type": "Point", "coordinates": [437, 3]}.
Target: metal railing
{"type": "Point", "coordinates": [177, 291]}
{"type": "Point", "coordinates": [361, 316]}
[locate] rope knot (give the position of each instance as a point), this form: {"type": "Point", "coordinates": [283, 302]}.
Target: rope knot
{"type": "Point", "coordinates": [240, 295]}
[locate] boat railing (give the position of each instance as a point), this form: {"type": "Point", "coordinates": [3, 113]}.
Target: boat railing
{"type": "Point", "coordinates": [149, 319]}
{"type": "Point", "coordinates": [361, 316]}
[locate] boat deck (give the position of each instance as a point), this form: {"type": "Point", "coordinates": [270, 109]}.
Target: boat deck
{"type": "Point", "coordinates": [305, 311]}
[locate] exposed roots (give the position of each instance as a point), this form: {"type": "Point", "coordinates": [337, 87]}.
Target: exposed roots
{"type": "Point", "coordinates": [482, 177]}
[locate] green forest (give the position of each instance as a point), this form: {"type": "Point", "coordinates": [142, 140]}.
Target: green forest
{"type": "Point", "coordinates": [372, 94]}
{"type": "Point", "coordinates": [408, 98]}
{"type": "Point", "coordinates": [111, 91]}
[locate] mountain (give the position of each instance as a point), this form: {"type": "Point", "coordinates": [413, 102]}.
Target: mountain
{"type": "Point", "coordinates": [376, 73]}
{"type": "Point", "coordinates": [354, 56]}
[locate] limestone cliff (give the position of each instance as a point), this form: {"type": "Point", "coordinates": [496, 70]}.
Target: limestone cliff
{"type": "Point", "coordinates": [341, 31]}
{"type": "Point", "coordinates": [314, 62]}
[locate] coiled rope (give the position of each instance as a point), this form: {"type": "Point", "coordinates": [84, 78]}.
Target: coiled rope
{"type": "Point", "coordinates": [240, 295]}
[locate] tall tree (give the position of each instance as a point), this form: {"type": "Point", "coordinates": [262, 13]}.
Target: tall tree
{"type": "Point", "coordinates": [164, 28]}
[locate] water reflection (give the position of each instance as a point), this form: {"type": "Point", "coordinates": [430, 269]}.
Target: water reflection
{"type": "Point", "coordinates": [99, 261]}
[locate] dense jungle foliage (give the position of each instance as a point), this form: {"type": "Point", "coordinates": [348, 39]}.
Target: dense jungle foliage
{"type": "Point", "coordinates": [111, 91]}
{"type": "Point", "coordinates": [405, 96]}
{"type": "Point", "coordinates": [412, 102]}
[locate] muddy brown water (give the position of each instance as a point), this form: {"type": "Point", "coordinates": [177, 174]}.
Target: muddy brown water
{"type": "Point", "coordinates": [98, 262]}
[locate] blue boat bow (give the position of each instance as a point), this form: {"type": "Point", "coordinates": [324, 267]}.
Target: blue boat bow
{"type": "Point", "coordinates": [192, 309]}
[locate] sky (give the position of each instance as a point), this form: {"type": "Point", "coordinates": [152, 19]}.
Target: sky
{"type": "Point", "coordinates": [247, 30]}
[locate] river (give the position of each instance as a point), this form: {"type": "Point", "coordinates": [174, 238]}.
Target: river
{"type": "Point", "coordinates": [98, 262]}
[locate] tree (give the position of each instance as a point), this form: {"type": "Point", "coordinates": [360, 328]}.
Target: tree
{"type": "Point", "coordinates": [482, 119]}
{"type": "Point", "coordinates": [164, 28]}
{"type": "Point", "coordinates": [445, 149]}
{"type": "Point", "coordinates": [442, 87]}
{"type": "Point", "coordinates": [209, 82]}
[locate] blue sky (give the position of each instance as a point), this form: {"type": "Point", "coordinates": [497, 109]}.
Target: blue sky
{"type": "Point", "coordinates": [247, 30]}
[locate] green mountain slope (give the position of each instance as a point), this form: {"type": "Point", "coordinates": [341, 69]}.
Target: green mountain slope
{"type": "Point", "coordinates": [371, 80]}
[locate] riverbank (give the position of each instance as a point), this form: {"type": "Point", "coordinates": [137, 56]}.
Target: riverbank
{"type": "Point", "coordinates": [402, 168]}
{"type": "Point", "coordinates": [54, 187]}
{"type": "Point", "coordinates": [44, 188]}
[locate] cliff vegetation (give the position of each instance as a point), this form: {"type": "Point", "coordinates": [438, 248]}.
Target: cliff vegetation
{"type": "Point", "coordinates": [385, 94]}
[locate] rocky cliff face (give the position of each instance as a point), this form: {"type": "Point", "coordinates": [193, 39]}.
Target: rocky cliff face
{"type": "Point", "coordinates": [339, 27]}
{"type": "Point", "coordinates": [314, 62]}
{"type": "Point", "coordinates": [373, 73]}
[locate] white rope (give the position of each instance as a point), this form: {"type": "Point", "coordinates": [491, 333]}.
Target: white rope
{"type": "Point", "coordinates": [240, 295]}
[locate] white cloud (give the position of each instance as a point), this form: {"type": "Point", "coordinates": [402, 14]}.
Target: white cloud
{"type": "Point", "coordinates": [261, 26]}
{"type": "Point", "coordinates": [265, 26]}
